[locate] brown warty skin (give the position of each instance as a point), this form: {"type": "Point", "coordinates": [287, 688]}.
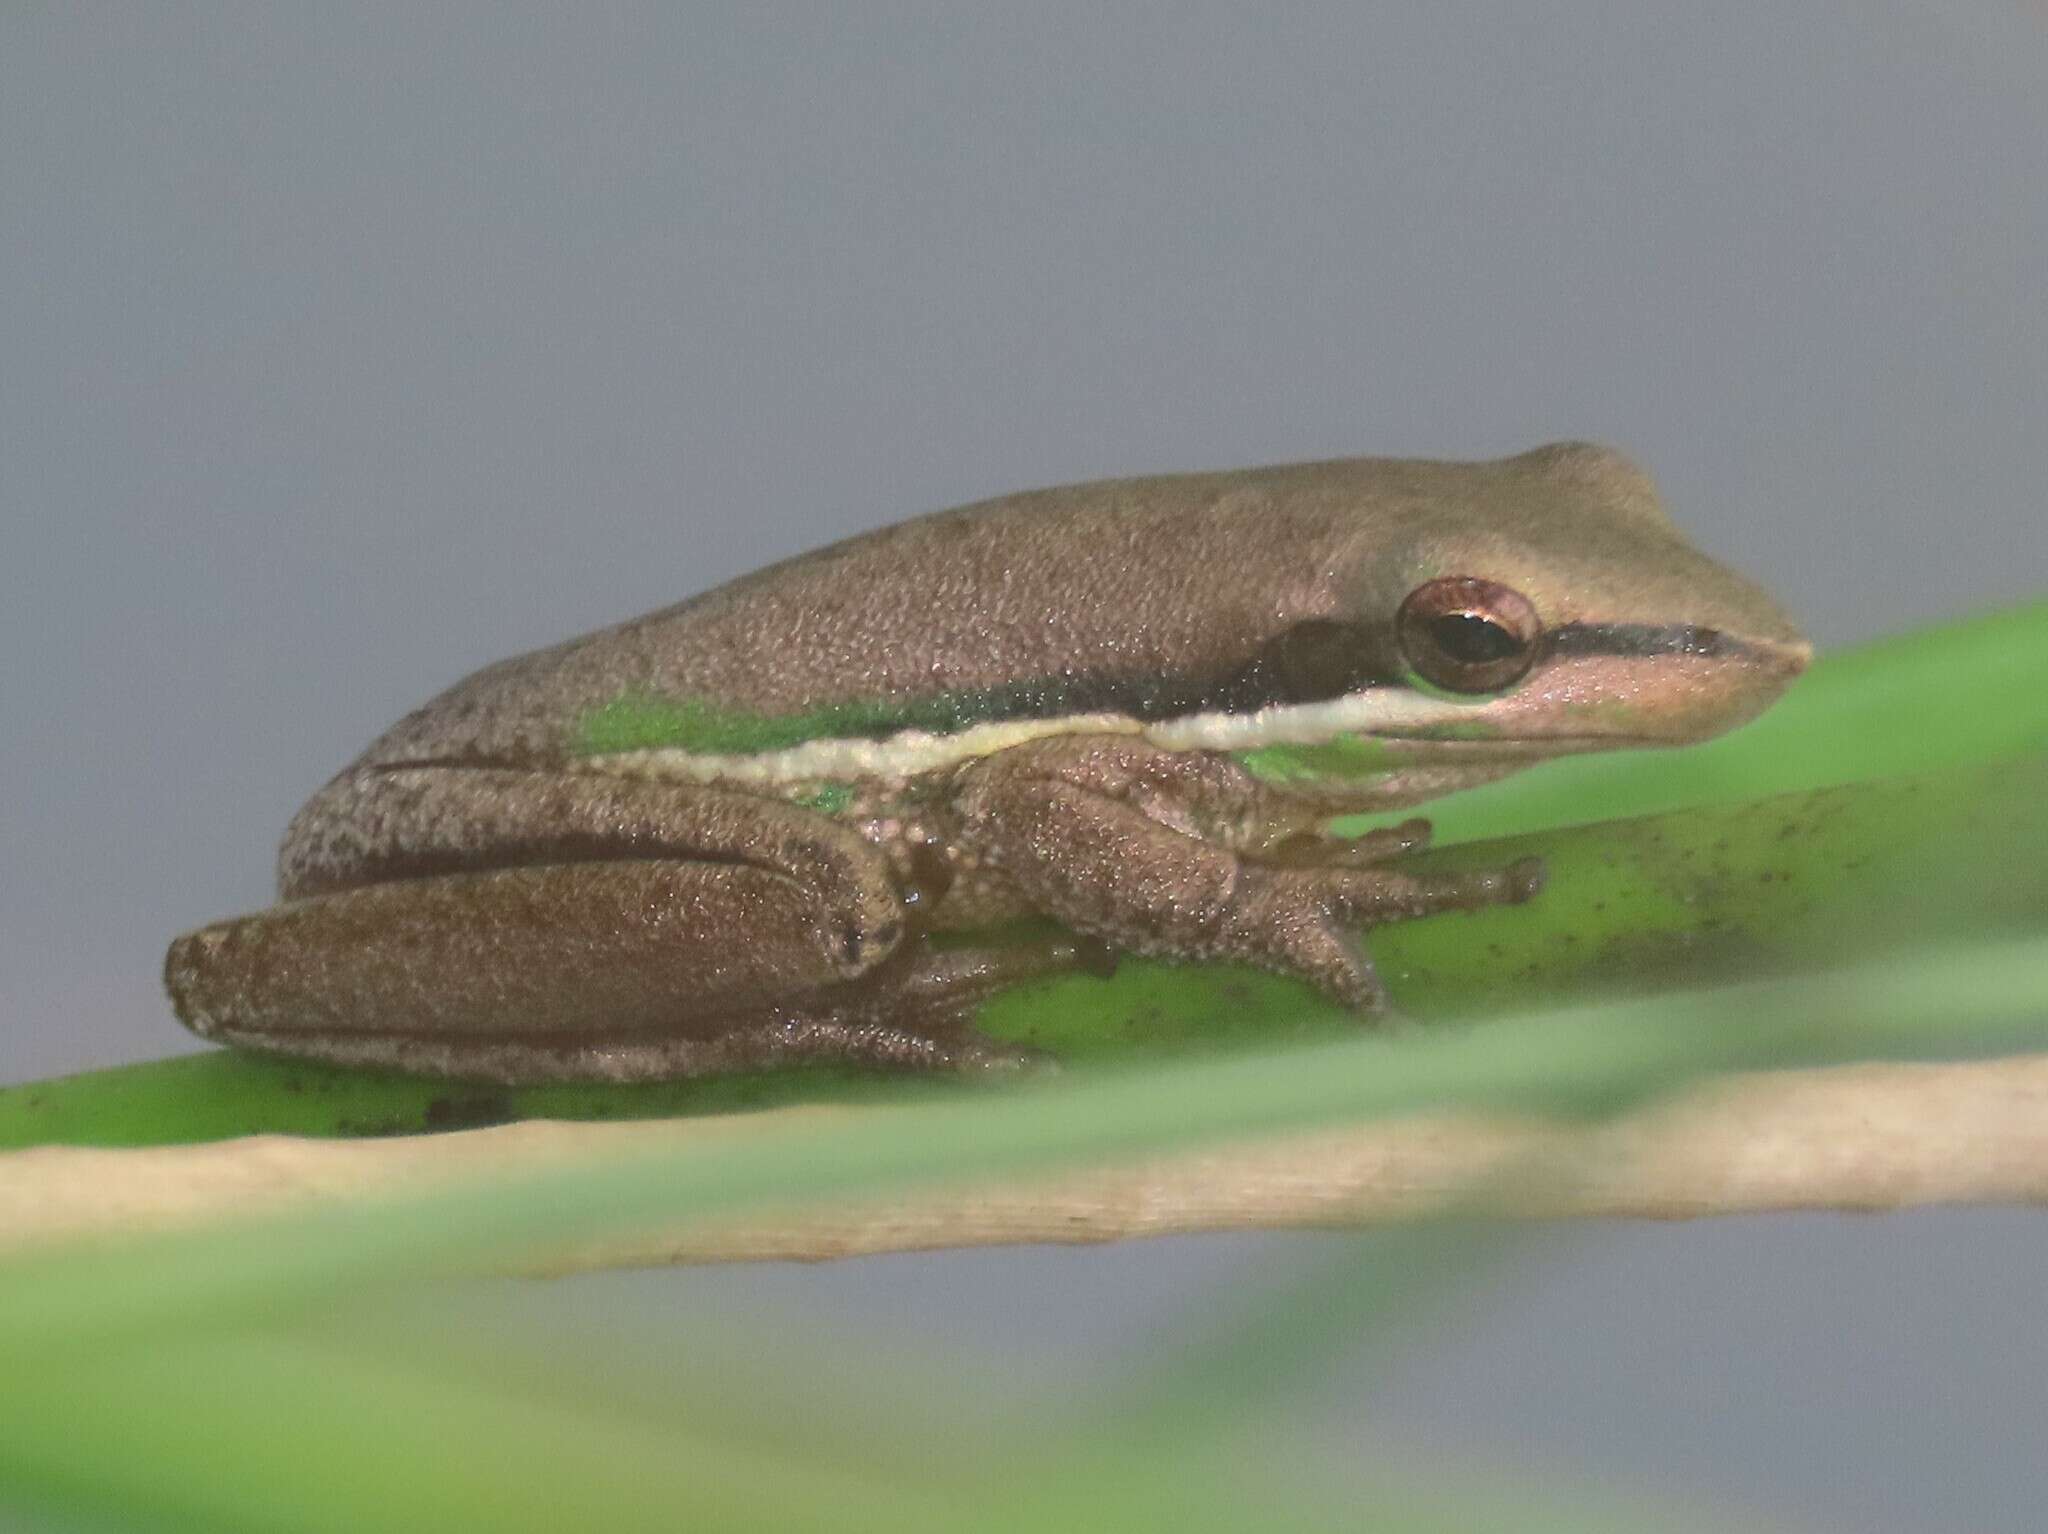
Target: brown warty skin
{"type": "Point", "coordinates": [717, 836]}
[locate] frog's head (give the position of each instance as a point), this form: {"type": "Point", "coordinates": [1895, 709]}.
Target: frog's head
{"type": "Point", "coordinates": [1551, 601]}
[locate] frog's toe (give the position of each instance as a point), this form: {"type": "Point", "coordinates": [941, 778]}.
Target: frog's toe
{"type": "Point", "coordinates": [977, 1055]}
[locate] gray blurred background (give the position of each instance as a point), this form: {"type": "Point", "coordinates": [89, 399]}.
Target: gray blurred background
{"type": "Point", "coordinates": [344, 350]}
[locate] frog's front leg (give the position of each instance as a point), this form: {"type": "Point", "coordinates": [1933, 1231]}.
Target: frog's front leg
{"type": "Point", "coordinates": [1185, 855]}
{"type": "Point", "coordinates": [515, 926]}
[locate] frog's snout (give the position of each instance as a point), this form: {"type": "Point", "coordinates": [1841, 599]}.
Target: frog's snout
{"type": "Point", "coordinates": [1789, 657]}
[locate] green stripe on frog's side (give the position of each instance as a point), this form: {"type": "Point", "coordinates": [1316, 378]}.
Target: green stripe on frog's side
{"type": "Point", "coordinates": [1311, 662]}
{"type": "Point", "coordinates": [701, 727]}
{"type": "Point", "coordinates": [828, 798]}
{"type": "Point", "coordinates": [1352, 757]}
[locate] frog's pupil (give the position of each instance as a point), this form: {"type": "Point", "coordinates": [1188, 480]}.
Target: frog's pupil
{"type": "Point", "coordinates": [1472, 640]}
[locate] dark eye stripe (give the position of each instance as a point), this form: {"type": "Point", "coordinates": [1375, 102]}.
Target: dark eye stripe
{"type": "Point", "coordinates": [1644, 640]}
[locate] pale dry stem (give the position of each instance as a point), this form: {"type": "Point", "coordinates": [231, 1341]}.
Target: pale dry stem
{"type": "Point", "coordinates": [1859, 1137]}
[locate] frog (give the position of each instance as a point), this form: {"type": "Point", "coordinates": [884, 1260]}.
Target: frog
{"type": "Point", "coordinates": [761, 827]}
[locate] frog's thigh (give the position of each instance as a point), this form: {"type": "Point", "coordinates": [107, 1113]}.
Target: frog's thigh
{"type": "Point", "coordinates": [669, 945]}
{"type": "Point", "coordinates": [382, 825]}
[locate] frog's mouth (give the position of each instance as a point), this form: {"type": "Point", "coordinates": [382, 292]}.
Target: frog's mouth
{"type": "Point", "coordinates": [1614, 687]}
{"type": "Point", "coordinates": [1423, 747]}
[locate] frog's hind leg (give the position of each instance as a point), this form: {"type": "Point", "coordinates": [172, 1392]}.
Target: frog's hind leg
{"type": "Point", "coordinates": [375, 974]}
{"type": "Point", "coordinates": [622, 970]}
{"type": "Point", "coordinates": [913, 1016]}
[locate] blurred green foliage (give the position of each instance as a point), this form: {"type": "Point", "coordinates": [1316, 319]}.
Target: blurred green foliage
{"type": "Point", "coordinates": [255, 1378]}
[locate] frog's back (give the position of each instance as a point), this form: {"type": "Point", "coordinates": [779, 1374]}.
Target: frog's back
{"type": "Point", "coordinates": [1119, 595]}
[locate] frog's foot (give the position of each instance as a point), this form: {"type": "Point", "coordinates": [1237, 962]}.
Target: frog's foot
{"type": "Point", "coordinates": [915, 1013]}
{"type": "Point", "coordinates": [931, 1046]}
{"type": "Point", "coordinates": [1105, 834]}
{"type": "Point", "coordinates": [1306, 921]}
{"type": "Point", "coordinates": [761, 1043]}
{"type": "Point", "coordinates": [1373, 848]}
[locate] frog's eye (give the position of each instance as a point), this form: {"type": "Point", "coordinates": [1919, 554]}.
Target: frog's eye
{"type": "Point", "coordinates": [1464, 634]}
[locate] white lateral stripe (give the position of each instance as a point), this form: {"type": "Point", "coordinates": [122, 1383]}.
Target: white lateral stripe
{"type": "Point", "coordinates": [1306, 724]}
{"type": "Point", "coordinates": [902, 755]}
{"type": "Point", "coordinates": [911, 752]}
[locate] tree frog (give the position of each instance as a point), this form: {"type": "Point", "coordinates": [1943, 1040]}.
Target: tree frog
{"type": "Point", "coordinates": [727, 834]}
